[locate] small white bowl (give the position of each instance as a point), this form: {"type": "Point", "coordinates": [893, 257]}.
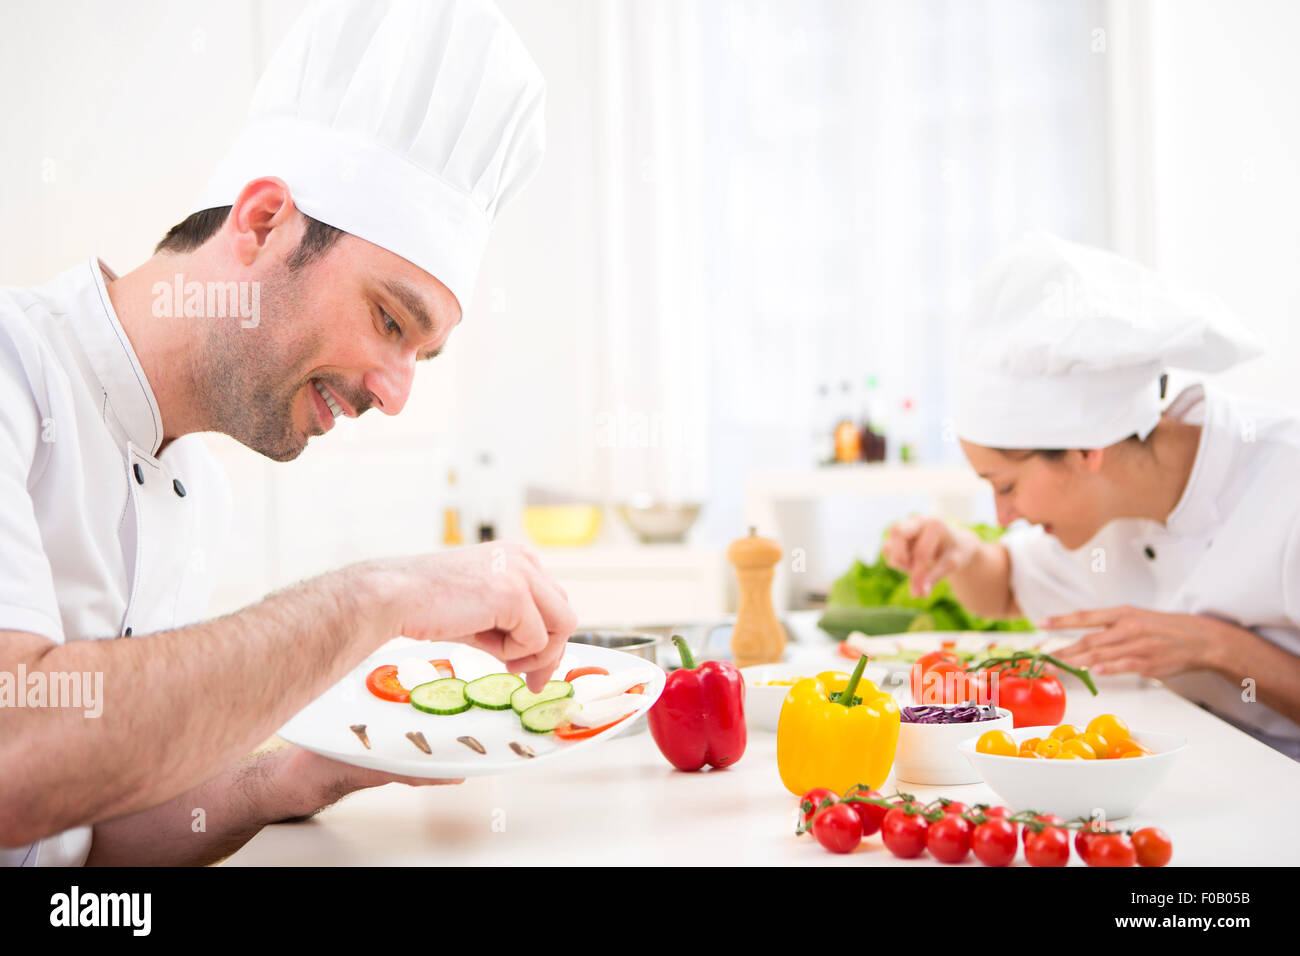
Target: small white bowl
{"type": "Point", "coordinates": [763, 703]}
{"type": "Point", "coordinates": [1077, 788]}
{"type": "Point", "coordinates": [928, 753]}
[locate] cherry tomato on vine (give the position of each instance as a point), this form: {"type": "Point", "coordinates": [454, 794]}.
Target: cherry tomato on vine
{"type": "Point", "coordinates": [948, 839]}
{"type": "Point", "coordinates": [838, 828]}
{"type": "Point", "coordinates": [871, 814]}
{"type": "Point", "coordinates": [994, 843]}
{"type": "Point", "coordinates": [1152, 846]}
{"type": "Point", "coordinates": [1111, 849]}
{"type": "Point", "coordinates": [903, 833]}
{"type": "Point", "coordinates": [812, 800]}
{"type": "Point", "coordinates": [1048, 847]}
{"type": "Point", "coordinates": [1051, 818]}
{"type": "Point", "coordinates": [1032, 701]}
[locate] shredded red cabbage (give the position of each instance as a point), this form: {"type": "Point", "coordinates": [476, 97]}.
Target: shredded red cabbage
{"type": "Point", "coordinates": [959, 714]}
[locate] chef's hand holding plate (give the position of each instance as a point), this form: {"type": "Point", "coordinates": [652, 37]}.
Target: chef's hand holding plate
{"type": "Point", "coordinates": [928, 550]}
{"type": "Point", "coordinates": [1135, 640]}
{"type": "Point", "coordinates": [318, 781]}
{"type": "Point", "coordinates": [493, 596]}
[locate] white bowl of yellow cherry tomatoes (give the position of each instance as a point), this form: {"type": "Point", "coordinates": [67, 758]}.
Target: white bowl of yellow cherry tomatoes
{"type": "Point", "coordinates": [1103, 770]}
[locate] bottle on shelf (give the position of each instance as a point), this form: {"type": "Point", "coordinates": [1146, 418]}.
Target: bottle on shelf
{"type": "Point", "coordinates": [873, 426]}
{"type": "Point", "coordinates": [848, 440]}
{"type": "Point", "coordinates": [907, 433]}
{"type": "Point", "coordinates": [823, 429]}
{"type": "Point", "coordinates": [451, 535]}
{"type": "Point", "coordinates": [486, 502]}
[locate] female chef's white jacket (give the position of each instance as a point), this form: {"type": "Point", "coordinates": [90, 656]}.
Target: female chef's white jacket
{"type": "Point", "coordinates": [101, 538]}
{"type": "Point", "coordinates": [1230, 549]}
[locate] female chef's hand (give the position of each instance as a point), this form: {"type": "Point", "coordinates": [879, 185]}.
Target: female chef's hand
{"type": "Point", "coordinates": [493, 596]}
{"type": "Point", "coordinates": [1138, 641]}
{"type": "Point", "coordinates": [928, 550]}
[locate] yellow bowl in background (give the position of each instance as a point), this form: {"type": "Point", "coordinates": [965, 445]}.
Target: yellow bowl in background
{"type": "Point", "coordinates": [562, 525]}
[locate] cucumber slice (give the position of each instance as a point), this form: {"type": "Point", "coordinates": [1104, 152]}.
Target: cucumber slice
{"type": "Point", "coordinates": [444, 696]}
{"type": "Point", "coordinates": [493, 692]}
{"type": "Point", "coordinates": [544, 717]}
{"type": "Point", "coordinates": [524, 698]}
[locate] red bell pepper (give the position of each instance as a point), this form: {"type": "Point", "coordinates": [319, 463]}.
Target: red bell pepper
{"type": "Point", "coordinates": [699, 718]}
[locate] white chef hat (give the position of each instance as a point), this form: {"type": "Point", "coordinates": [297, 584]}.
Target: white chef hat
{"type": "Point", "coordinates": [408, 123]}
{"type": "Point", "coordinates": [1065, 346]}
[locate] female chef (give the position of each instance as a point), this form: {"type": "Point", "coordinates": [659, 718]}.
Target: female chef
{"type": "Point", "coordinates": [1174, 533]}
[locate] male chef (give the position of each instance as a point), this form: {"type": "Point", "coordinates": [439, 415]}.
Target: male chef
{"type": "Point", "coordinates": [352, 212]}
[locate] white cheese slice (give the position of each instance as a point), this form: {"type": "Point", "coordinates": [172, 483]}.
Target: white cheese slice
{"type": "Point", "coordinates": [599, 686]}
{"type": "Point", "coordinates": [598, 713]}
{"type": "Point", "coordinates": [414, 671]}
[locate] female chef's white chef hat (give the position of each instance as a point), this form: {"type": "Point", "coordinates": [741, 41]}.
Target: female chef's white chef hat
{"type": "Point", "coordinates": [408, 123]}
{"type": "Point", "coordinates": [1065, 346]}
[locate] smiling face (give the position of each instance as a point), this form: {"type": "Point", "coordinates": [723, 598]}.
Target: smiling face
{"type": "Point", "coordinates": [1065, 494]}
{"type": "Point", "coordinates": [341, 333]}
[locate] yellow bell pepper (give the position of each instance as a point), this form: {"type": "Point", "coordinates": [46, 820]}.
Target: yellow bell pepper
{"type": "Point", "coordinates": [836, 730]}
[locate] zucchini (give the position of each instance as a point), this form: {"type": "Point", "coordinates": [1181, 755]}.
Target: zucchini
{"type": "Point", "coordinates": [444, 696]}
{"type": "Point", "coordinates": [842, 620]}
{"type": "Point", "coordinates": [524, 698]}
{"type": "Point", "coordinates": [544, 717]}
{"type": "Point", "coordinates": [493, 692]}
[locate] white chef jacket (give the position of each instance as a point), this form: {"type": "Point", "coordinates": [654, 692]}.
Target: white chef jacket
{"type": "Point", "coordinates": [100, 536]}
{"type": "Point", "coordinates": [1230, 549]}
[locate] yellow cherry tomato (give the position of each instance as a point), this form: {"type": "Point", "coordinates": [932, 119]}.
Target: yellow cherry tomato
{"type": "Point", "coordinates": [997, 742]}
{"type": "Point", "coordinates": [1109, 726]}
{"type": "Point", "coordinates": [1065, 732]}
{"type": "Point", "coordinates": [1064, 754]}
{"type": "Point", "coordinates": [1119, 746]}
{"type": "Point", "coordinates": [1049, 747]}
{"type": "Point", "coordinates": [1134, 753]}
{"type": "Point", "coordinates": [1030, 745]}
{"type": "Point", "coordinates": [1079, 748]}
{"type": "Point", "coordinates": [1032, 754]}
{"type": "Point", "coordinates": [1098, 744]}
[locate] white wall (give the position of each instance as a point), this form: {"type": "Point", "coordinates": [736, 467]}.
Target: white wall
{"type": "Point", "coordinates": [115, 113]}
{"type": "Point", "coordinates": [1226, 167]}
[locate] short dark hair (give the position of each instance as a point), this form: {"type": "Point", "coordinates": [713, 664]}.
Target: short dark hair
{"type": "Point", "coordinates": [199, 227]}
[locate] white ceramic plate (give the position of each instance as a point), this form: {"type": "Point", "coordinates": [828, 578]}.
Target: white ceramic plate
{"type": "Point", "coordinates": [324, 725]}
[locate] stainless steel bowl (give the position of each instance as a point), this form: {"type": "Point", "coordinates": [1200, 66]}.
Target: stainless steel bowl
{"type": "Point", "coordinates": [629, 642]}
{"type": "Point", "coordinates": [659, 522]}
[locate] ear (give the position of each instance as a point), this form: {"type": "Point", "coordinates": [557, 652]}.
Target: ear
{"type": "Point", "coordinates": [260, 220]}
{"type": "Point", "coordinates": [1091, 459]}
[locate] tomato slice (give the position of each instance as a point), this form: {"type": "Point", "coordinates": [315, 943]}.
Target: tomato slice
{"type": "Point", "coordinates": [582, 671]}
{"type": "Point", "coordinates": [382, 682]}
{"type": "Point", "coordinates": [638, 689]}
{"type": "Point", "coordinates": [567, 731]}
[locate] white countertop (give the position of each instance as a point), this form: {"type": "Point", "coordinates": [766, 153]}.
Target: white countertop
{"type": "Point", "coordinates": [1225, 802]}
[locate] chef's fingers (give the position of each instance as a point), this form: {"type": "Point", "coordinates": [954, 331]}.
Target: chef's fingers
{"type": "Point", "coordinates": [1101, 617]}
{"type": "Point", "coordinates": [557, 614]}
{"type": "Point", "coordinates": [525, 631]}
{"type": "Point", "coordinates": [898, 543]}
{"type": "Point", "coordinates": [926, 551]}
{"type": "Point", "coordinates": [541, 666]}
{"type": "Point", "coordinates": [1104, 646]}
{"type": "Point", "coordinates": [1090, 642]}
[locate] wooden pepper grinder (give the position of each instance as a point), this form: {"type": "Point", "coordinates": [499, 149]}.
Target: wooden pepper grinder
{"type": "Point", "coordinates": [758, 637]}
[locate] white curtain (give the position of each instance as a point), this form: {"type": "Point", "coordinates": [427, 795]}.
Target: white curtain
{"type": "Point", "coordinates": [801, 193]}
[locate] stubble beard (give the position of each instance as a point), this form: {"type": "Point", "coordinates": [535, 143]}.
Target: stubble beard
{"type": "Point", "coordinates": [252, 375]}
